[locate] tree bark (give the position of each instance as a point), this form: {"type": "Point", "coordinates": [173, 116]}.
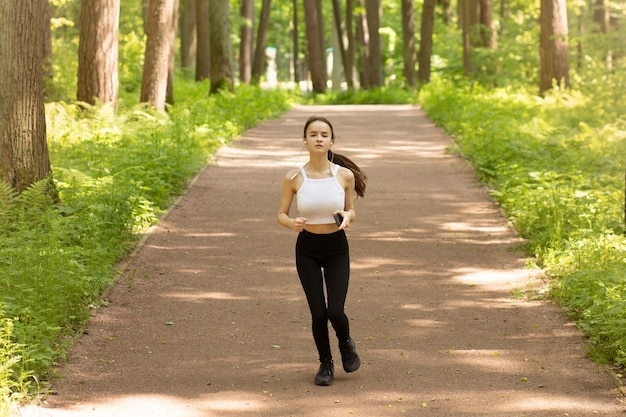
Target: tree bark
{"type": "Point", "coordinates": [342, 44]}
{"type": "Point", "coordinates": [602, 18]}
{"type": "Point", "coordinates": [351, 41]}
{"type": "Point", "coordinates": [464, 19]}
{"type": "Point", "coordinates": [362, 33]}
{"type": "Point", "coordinates": [487, 29]}
{"type": "Point", "coordinates": [169, 92]}
{"type": "Point", "coordinates": [161, 28]}
{"type": "Point", "coordinates": [258, 65]}
{"type": "Point", "coordinates": [554, 60]}
{"type": "Point", "coordinates": [315, 56]}
{"type": "Point", "coordinates": [408, 42]}
{"type": "Point", "coordinates": [47, 39]}
{"type": "Point", "coordinates": [203, 39]}
{"type": "Point", "coordinates": [221, 47]}
{"type": "Point", "coordinates": [247, 35]}
{"type": "Point", "coordinates": [24, 157]}
{"type": "Point", "coordinates": [373, 13]}
{"type": "Point", "coordinates": [426, 40]}
{"type": "Point", "coordinates": [98, 51]}
{"type": "Point", "coordinates": [295, 40]}
{"type": "Point", "coordinates": [188, 34]}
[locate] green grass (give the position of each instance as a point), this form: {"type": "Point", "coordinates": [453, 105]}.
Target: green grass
{"type": "Point", "coordinates": [556, 166]}
{"type": "Point", "coordinates": [116, 173]}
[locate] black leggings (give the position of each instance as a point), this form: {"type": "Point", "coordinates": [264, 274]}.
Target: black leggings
{"type": "Point", "coordinates": [328, 253]}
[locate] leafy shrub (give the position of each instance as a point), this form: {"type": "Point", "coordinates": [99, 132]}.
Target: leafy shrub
{"type": "Point", "coordinates": [115, 174]}
{"type": "Point", "coordinates": [556, 166]}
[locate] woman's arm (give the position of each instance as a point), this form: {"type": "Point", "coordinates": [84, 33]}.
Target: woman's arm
{"type": "Point", "coordinates": [346, 179]}
{"type": "Point", "coordinates": [286, 198]}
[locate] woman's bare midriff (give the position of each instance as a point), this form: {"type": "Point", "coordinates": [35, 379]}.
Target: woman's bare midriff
{"type": "Point", "coordinates": [321, 229]}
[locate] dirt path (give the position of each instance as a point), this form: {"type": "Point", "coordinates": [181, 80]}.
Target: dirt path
{"type": "Point", "coordinates": [210, 319]}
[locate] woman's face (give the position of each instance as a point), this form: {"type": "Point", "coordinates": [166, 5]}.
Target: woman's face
{"type": "Point", "coordinates": [318, 137]}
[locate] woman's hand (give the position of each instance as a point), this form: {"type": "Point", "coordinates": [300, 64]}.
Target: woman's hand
{"type": "Point", "coordinates": [346, 216]}
{"type": "Point", "coordinates": [299, 223]}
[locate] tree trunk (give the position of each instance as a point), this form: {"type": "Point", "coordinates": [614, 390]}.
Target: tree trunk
{"type": "Point", "coordinates": [342, 44]}
{"type": "Point", "coordinates": [362, 34]}
{"type": "Point", "coordinates": [158, 48]}
{"type": "Point", "coordinates": [24, 157]}
{"type": "Point", "coordinates": [98, 51]}
{"type": "Point", "coordinates": [295, 40]}
{"type": "Point", "coordinates": [465, 21]}
{"type": "Point", "coordinates": [487, 29]}
{"type": "Point", "coordinates": [315, 56]}
{"type": "Point", "coordinates": [258, 65]}
{"type": "Point", "coordinates": [221, 47]}
{"type": "Point", "coordinates": [320, 30]}
{"type": "Point", "coordinates": [602, 18]}
{"type": "Point", "coordinates": [203, 39]}
{"type": "Point", "coordinates": [426, 40]}
{"type": "Point", "coordinates": [554, 63]}
{"type": "Point", "coordinates": [169, 92]}
{"type": "Point", "coordinates": [188, 34]}
{"type": "Point", "coordinates": [350, 53]}
{"type": "Point", "coordinates": [247, 35]}
{"type": "Point", "coordinates": [47, 39]}
{"type": "Point", "coordinates": [408, 42]}
{"type": "Point", "coordinates": [373, 13]}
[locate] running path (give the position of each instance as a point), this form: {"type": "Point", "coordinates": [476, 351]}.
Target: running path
{"type": "Point", "coordinates": [210, 320]}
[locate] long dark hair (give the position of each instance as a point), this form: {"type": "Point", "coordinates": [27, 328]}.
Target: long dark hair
{"type": "Point", "coordinates": [360, 178]}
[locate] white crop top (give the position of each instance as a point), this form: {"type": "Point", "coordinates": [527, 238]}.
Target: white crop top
{"type": "Point", "coordinates": [318, 198]}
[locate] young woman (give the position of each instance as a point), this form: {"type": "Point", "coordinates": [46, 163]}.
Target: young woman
{"type": "Point", "coordinates": [324, 188]}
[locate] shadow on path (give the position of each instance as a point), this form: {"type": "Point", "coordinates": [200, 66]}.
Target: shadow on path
{"type": "Point", "coordinates": [210, 320]}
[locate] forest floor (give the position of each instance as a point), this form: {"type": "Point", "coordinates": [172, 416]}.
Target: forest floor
{"type": "Point", "coordinates": [209, 319]}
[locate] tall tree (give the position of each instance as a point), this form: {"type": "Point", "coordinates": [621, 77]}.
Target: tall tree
{"type": "Point", "coordinates": [343, 52]}
{"type": "Point", "coordinates": [246, 40]}
{"type": "Point", "coordinates": [295, 41]}
{"type": "Point", "coordinates": [258, 65]}
{"type": "Point", "coordinates": [373, 11]}
{"type": "Point", "coordinates": [24, 157]}
{"type": "Point", "coordinates": [47, 39]}
{"type": "Point", "coordinates": [98, 51]}
{"type": "Point", "coordinates": [408, 42]}
{"type": "Point", "coordinates": [160, 35]}
{"type": "Point", "coordinates": [169, 92]}
{"type": "Point", "coordinates": [315, 56]}
{"type": "Point", "coordinates": [188, 34]}
{"type": "Point", "coordinates": [554, 59]}
{"type": "Point", "coordinates": [488, 35]}
{"type": "Point", "coordinates": [426, 40]}
{"type": "Point", "coordinates": [203, 41]}
{"type": "Point", "coordinates": [602, 20]}
{"type": "Point", "coordinates": [465, 20]}
{"type": "Point", "coordinates": [350, 63]}
{"type": "Point", "coordinates": [363, 50]}
{"type": "Point", "coordinates": [221, 48]}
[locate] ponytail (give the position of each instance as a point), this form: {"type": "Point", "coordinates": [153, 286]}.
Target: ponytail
{"type": "Point", "coordinates": [360, 178]}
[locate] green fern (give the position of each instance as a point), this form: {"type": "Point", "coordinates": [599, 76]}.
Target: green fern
{"type": "Point", "coordinates": [7, 201]}
{"type": "Point", "coordinates": [7, 197]}
{"type": "Point", "coordinates": [37, 197]}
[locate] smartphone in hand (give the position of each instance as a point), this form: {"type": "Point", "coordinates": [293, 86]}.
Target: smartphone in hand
{"type": "Point", "coordinates": [338, 219]}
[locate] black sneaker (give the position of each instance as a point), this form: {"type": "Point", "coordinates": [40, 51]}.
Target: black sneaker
{"type": "Point", "coordinates": [325, 374]}
{"type": "Point", "coordinates": [351, 361]}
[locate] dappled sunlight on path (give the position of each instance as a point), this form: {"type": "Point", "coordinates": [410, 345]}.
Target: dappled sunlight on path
{"type": "Point", "coordinates": [209, 318]}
